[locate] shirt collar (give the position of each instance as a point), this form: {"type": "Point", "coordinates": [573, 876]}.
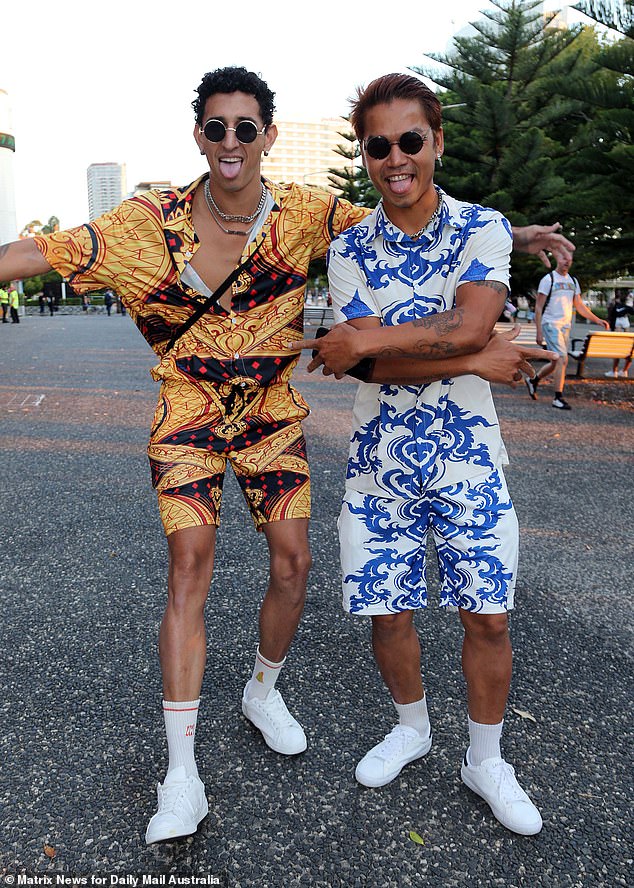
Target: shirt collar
{"type": "Point", "coordinates": [450, 214]}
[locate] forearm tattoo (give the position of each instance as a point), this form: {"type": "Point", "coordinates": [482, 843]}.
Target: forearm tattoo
{"type": "Point", "coordinates": [3, 249]}
{"type": "Point", "coordinates": [441, 324]}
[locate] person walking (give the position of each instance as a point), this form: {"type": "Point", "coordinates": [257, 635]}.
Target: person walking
{"type": "Point", "coordinates": [619, 312]}
{"type": "Point", "coordinates": [558, 297]}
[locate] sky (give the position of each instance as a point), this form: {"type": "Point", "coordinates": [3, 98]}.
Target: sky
{"type": "Point", "coordinates": [113, 82]}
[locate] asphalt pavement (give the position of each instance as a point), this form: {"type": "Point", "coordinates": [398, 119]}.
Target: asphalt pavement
{"type": "Point", "coordinates": [82, 573]}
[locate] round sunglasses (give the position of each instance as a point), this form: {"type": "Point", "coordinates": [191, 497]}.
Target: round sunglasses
{"type": "Point", "coordinates": [378, 147]}
{"type": "Point", "coordinates": [246, 131]}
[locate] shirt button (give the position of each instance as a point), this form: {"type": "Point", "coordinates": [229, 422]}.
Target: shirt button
{"type": "Point", "coordinates": [234, 320]}
{"type": "Point", "coordinates": [236, 355]}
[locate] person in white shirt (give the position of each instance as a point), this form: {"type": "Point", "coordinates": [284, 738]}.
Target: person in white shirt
{"type": "Point", "coordinates": [558, 296]}
{"type": "Point", "coordinates": [420, 284]}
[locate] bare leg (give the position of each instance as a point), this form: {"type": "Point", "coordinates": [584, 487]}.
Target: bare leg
{"type": "Point", "coordinates": [487, 661]}
{"type": "Point", "coordinates": [397, 652]}
{"type": "Point", "coordinates": [182, 645]}
{"type": "Point", "coordinates": [283, 603]}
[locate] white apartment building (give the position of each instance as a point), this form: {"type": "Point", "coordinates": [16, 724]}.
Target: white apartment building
{"type": "Point", "coordinates": [106, 187]}
{"type": "Point", "coordinates": [305, 150]}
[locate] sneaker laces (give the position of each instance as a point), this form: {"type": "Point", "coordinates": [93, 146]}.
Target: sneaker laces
{"type": "Point", "coordinates": [394, 743]}
{"type": "Point", "coordinates": [275, 709]}
{"type": "Point", "coordinates": [509, 790]}
{"type": "Point", "coordinates": [171, 795]}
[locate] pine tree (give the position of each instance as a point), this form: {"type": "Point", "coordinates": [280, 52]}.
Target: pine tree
{"type": "Point", "coordinates": [504, 121]}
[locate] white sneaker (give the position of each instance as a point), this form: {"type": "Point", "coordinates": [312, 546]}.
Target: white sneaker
{"type": "Point", "coordinates": [386, 760]}
{"type": "Point", "coordinates": [280, 730]}
{"type": "Point", "coordinates": [624, 374]}
{"type": "Point", "coordinates": [182, 804]}
{"type": "Point", "coordinates": [611, 373]}
{"type": "Point", "coordinates": [494, 780]}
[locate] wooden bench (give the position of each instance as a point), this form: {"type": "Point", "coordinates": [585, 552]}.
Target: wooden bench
{"type": "Point", "coordinates": [602, 344]}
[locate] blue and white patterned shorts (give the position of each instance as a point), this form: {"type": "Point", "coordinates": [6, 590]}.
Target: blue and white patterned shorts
{"type": "Point", "coordinates": [383, 548]}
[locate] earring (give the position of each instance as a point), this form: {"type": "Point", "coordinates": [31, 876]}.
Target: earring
{"type": "Point", "coordinates": [266, 153]}
{"type": "Point", "coordinates": [439, 159]}
{"type": "Point", "coordinates": [201, 151]}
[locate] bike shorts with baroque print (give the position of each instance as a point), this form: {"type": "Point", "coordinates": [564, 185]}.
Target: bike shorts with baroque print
{"type": "Point", "coordinates": [198, 428]}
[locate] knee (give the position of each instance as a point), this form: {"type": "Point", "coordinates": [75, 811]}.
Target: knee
{"type": "Point", "coordinates": [190, 572]}
{"type": "Point", "coordinates": [391, 628]}
{"type": "Point", "coordinates": [289, 572]}
{"type": "Point", "coordinates": [487, 629]}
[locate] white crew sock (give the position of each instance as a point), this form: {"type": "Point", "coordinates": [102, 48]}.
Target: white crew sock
{"type": "Point", "coordinates": [484, 742]}
{"type": "Point", "coordinates": [265, 674]}
{"type": "Point", "coordinates": [414, 715]}
{"type": "Point", "coordinates": [180, 726]}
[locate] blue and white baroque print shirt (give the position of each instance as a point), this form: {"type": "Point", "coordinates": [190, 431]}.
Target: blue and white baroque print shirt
{"type": "Point", "coordinates": [407, 439]}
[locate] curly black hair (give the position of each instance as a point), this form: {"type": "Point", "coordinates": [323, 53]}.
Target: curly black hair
{"type": "Point", "coordinates": [233, 79]}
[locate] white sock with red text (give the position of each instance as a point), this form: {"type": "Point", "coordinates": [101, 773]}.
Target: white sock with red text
{"type": "Point", "coordinates": [265, 674]}
{"type": "Point", "coordinates": [180, 726]}
{"type": "Point", "coordinates": [484, 742]}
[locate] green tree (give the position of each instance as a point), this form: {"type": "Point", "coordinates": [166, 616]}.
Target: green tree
{"type": "Point", "coordinates": [600, 160]}
{"type": "Point", "coordinates": [504, 120]}
{"type": "Point", "coordinates": [352, 181]}
{"type": "Point", "coordinates": [615, 14]}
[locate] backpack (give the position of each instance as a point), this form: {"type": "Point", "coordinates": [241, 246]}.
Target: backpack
{"type": "Point", "coordinates": [550, 289]}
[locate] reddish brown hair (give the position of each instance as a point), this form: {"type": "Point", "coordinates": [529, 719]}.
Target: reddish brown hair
{"type": "Point", "coordinates": [387, 88]}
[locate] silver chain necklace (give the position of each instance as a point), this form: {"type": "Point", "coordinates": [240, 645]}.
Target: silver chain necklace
{"type": "Point", "coordinates": [432, 219]}
{"type": "Point", "coordinates": [231, 217]}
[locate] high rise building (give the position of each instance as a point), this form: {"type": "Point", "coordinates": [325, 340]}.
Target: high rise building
{"type": "Point", "coordinates": [305, 150]}
{"type": "Point", "coordinates": [8, 225]}
{"type": "Point", "coordinates": [106, 187]}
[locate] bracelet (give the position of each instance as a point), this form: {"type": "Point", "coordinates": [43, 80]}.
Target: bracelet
{"type": "Point", "coordinates": [362, 370]}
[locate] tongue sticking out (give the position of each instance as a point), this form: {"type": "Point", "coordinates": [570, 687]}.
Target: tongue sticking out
{"type": "Point", "coordinates": [230, 168]}
{"type": "Point", "coordinates": [400, 186]}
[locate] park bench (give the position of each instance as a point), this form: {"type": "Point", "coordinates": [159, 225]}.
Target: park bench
{"type": "Point", "coordinates": [602, 344]}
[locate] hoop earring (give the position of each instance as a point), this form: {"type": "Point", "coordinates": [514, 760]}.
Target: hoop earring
{"type": "Point", "coordinates": [266, 153]}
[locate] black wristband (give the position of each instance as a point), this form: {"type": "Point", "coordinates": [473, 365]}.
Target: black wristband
{"type": "Point", "coordinates": [362, 370]}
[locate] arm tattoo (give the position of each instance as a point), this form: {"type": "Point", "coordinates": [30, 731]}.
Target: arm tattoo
{"type": "Point", "coordinates": [3, 249]}
{"type": "Point", "coordinates": [492, 285]}
{"type": "Point", "coordinates": [440, 324]}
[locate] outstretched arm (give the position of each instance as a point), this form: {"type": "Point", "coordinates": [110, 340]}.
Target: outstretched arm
{"type": "Point", "coordinates": [21, 259]}
{"type": "Point", "coordinates": [536, 239]}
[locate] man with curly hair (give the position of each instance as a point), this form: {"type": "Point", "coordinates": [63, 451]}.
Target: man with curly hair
{"type": "Point", "coordinates": [213, 274]}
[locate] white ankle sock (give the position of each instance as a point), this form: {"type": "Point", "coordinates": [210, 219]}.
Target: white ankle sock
{"type": "Point", "coordinates": [414, 715]}
{"type": "Point", "coordinates": [265, 674]}
{"type": "Point", "coordinates": [484, 742]}
{"type": "Point", "coordinates": [180, 726]}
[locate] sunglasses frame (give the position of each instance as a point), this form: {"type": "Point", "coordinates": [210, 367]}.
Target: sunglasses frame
{"type": "Point", "coordinates": [232, 129]}
{"type": "Point", "coordinates": [383, 140]}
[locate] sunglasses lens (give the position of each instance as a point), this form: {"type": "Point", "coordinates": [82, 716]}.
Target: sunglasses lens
{"type": "Point", "coordinates": [411, 143]}
{"type": "Point", "coordinates": [378, 147]}
{"type": "Point", "coordinates": [214, 130]}
{"type": "Point", "coordinates": [246, 132]}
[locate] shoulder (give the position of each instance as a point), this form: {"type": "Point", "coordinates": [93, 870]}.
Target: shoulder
{"type": "Point", "coordinates": [355, 239]}
{"type": "Point", "coordinates": [474, 217]}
